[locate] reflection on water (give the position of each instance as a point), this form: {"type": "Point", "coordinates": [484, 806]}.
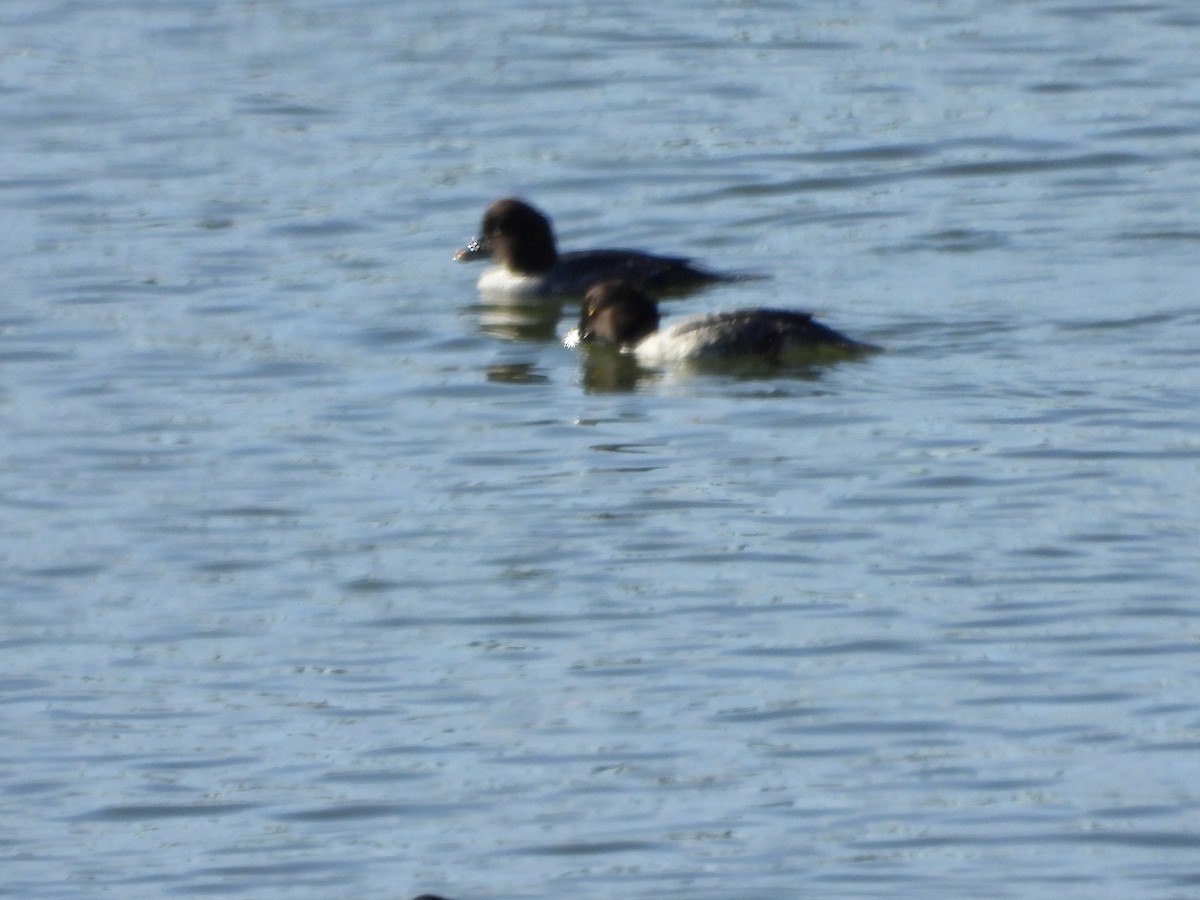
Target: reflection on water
{"type": "Point", "coordinates": [516, 373]}
{"type": "Point", "coordinates": [535, 320]}
{"type": "Point", "coordinates": [606, 369]}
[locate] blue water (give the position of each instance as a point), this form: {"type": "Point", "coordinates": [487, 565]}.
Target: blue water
{"type": "Point", "coordinates": [323, 578]}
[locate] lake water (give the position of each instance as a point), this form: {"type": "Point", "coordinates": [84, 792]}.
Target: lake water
{"type": "Point", "coordinates": [320, 578]}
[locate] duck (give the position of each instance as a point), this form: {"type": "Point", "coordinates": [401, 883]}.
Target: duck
{"type": "Point", "coordinates": [519, 239]}
{"type": "Point", "coordinates": [618, 313]}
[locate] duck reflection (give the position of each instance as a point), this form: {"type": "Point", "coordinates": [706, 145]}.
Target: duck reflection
{"type": "Point", "coordinates": [516, 373]}
{"type": "Point", "coordinates": [606, 370]}
{"type": "Point", "coordinates": [532, 320]}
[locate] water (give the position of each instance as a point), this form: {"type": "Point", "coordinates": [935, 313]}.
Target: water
{"type": "Point", "coordinates": [320, 581]}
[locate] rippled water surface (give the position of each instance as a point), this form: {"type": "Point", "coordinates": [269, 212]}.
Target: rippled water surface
{"type": "Point", "coordinates": [322, 578]}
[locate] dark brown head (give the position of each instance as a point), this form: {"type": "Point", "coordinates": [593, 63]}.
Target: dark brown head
{"type": "Point", "coordinates": [615, 312]}
{"type": "Point", "coordinates": [515, 236]}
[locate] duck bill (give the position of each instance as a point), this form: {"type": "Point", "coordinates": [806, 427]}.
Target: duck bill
{"type": "Point", "coordinates": [473, 251]}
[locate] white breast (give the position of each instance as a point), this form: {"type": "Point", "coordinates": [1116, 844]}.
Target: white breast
{"type": "Point", "coordinates": [497, 284]}
{"type": "Point", "coordinates": [675, 343]}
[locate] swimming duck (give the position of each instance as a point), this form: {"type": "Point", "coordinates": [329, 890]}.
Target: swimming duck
{"type": "Point", "coordinates": [519, 239]}
{"type": "Point", "coordinates": [618, 313]}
